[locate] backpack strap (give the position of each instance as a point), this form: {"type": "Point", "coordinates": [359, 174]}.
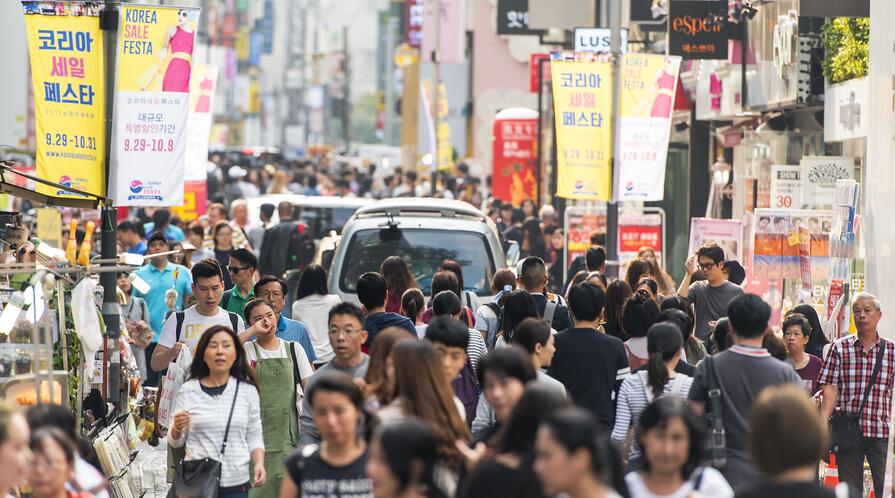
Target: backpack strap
{"type": "Point", "coordinates": [179, 317]}
{"type": "Point", "coordinates": [549, 310]}
{"type": "Point", "coordinates": [698, 474]}
{"type": "Point", "coordinates": [234, 320]}
{"type": "Point", "coordinates": [296, 375]}
{"type": "Point", "coordinates": [225, 300]}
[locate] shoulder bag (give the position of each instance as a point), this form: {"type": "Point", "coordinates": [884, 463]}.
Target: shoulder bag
{"type": "Point", "coordinates": [845, 428]}
{"type": "Point", "coordinates": [716, 445]}
{"type": "Point", "coordinates": [201, 478]}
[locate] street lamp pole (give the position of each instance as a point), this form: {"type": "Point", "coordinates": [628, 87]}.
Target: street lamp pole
{"type": "Point", "coordinates": [435, 90]}
{"type": "Point", "coordinates": [615, 28]}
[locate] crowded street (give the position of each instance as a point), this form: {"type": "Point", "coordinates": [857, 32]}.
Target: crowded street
{"type": "Point", "coordinates": [447, 249]}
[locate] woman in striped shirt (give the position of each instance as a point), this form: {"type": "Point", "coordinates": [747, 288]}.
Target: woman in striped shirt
{"type": "Point", "coordinates": [220, 379]}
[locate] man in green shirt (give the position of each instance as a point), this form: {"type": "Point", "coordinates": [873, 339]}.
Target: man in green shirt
{"type": "Point", "coordinates": [242, 271]}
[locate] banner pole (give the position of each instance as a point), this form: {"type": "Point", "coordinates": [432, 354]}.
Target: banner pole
{"type": "Point", "coordinates": [615, 27]}
{"type": "Point", "coordinates": [109, 248]}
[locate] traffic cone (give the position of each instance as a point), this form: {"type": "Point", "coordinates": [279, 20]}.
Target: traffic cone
{"type": "Point", "coordinates": [831, 476]}
{"type": "Point", "coordinates": [872, 493]}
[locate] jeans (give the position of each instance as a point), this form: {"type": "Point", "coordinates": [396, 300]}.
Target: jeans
{"type": "Point", "coordinates": [233, 494]}
{"type": "Point", "coordinates": [851, 464]}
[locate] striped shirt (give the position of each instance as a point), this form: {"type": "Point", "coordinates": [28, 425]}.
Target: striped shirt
{"type": "Point", "coordinates": [632, 400]}
{"type": "Point", "coordinates": [208, 421]}
{"type": "Point", "coordinates": [476, 349]}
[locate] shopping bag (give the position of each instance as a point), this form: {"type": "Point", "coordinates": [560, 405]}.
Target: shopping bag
{"type": "Point", "coordinates": [174, 378]}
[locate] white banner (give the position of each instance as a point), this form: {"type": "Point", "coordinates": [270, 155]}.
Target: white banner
{"type": "Point", "coordinates": [155, 47]}
{"type": "Point", "coordinates": [647, 90]}
{"type": "Point", "coordinates": [203, 81]}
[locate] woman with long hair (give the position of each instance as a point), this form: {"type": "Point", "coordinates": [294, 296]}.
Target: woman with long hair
{"type": "Point", "coordinates": [279, 184]}
{"type": "Point", "coordinates": [665, 281]}
{"type": "Point", "coordinates": [380, 378]}
{"type": "Point", "coordinates": [15, 454]}
{"type": "Point", "coordinates": [467, 297]}
{"type": "Point", "coordinates": [639, 314]}
{"type": "Point", "coordinates": [720, 335]}
{"type": "Point", "coordinates": [694, 349]}
{"type": "Point", "coordinates": [508, 471]}
{"type": "Point", "coordinates": [572, 457]}
{"type": "Point", "coordinates": [421, 390]}
{"type": "Point", "coordinates": [503, 375]}
{"type": "Point", "coordinates": [311, 307]}
{"type": "Point", "coordinates": [637, 269]}
{"type": "Point", "coordinates": [529, 210]}
{"type": "Point", "coordinates": [413, 303]}
{"type": "Point", "coordinates": [221, 382]}
{"type": "Point", "coordinates": [403, 461]}
{"type": "Point", "coordinates": [223, 247]}
{"type": "Point", "coordinates": [672, 439]}
{"type": "Point", "coordinates": [617, 293]}
{"type": "Point", "coordinates": [533, 243]}
{"type": "Point", "coordinates": [487, 316]}
{"type": "Point", "coordinates": [338, 464]}
{"type": "Point", "coordinates": [818, 341]}
{"type": "Point", "coordinates": [518, 306]}
{"type": "Point", "coordinates": [664, 343]}
{"type": "Point", "coordinates": [447, 280]}
{"type": "Point", "coordinates": [398, 278]}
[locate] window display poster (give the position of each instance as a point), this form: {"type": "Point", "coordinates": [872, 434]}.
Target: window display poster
{"type": "Point", "coordinates": [777, 241]}
{"type": "Point", "coordinates": [820, 174]}
{"type": "Point", "coordinates": [635, 232]}
{"type": "Point", "coordinates": [728, 234]}
{"type": "Point", "coordinates": [581, 223]}
{"type": "Point", "coordinates": [786, 187]}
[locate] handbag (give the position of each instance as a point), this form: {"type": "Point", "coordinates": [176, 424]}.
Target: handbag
{"type": "Point", "coordinates": [201, 478]}
{"type": "Point", "coordinates": [716, 444]}
{"type": "Point", "coordinates": [845, 428]}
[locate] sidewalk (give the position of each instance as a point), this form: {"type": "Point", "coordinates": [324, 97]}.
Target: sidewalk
{"type": "Point", "coordinates": [149, 469]}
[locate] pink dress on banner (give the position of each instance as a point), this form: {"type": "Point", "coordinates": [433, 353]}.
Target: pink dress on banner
{"type": "Point", "coordinates": [665, 98]}
{"type": "Point", "coordinates": [177, 76]}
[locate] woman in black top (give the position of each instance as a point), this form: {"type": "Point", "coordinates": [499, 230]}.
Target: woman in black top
{"type": "Point", "coordinates": [817, 340]}
{"type": "Point", "coordinates": [403, 460]}
{"type": "Point", "coordinates": [616, 294]}
{"type": "Point", "coordinates": [533, 243]}
{"type": "Point", "coordinates": [508, 472]}
{"type": "Point", "coordinates": [336, 468]}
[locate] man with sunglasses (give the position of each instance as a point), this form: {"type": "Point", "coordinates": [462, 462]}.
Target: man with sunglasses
{"type": "Point", "coordinates": [242, 272]}
{"type": "Point", "coordinates": [711, 296]}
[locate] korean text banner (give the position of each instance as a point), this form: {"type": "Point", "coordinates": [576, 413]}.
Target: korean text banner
{"type": "Point", "coordinates": [155, 47]}
{"type": "Point", "coordinates": [647, 91]}
{"type": "Point", "coordinates": [203, 81]}
{"type": "Point", "coordinates": [68, 77]}
{"type": "Point", "coordinates": [582, 101]}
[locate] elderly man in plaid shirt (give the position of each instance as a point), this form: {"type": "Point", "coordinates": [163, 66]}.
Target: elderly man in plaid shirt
{"type": "Point", "coordinates": [846, 374]}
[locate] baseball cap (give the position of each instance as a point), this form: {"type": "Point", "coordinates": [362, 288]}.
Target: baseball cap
{"type": "Point", "coordinates": [157, 236]}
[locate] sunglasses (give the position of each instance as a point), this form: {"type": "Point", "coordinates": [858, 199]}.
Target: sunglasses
{"type": "Point", "coordinates": [236, 269]}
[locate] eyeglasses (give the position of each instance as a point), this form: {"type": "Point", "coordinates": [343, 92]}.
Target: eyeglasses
{"type": "Point", "coordinates": [269, 295]}
{"type": "Point", "coordinates": [347, 332]}
{"type": "Point", "coordinates": [707, 266]}
{"type": "Point", "coordinates": [237, 269]}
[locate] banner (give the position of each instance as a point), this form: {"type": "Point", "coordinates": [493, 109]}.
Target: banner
{"type": "Point", "coordinates": [195, 200]}
{"type": "Point", "coordinates": [199, 120]}
{"type": "Point", "coordinates": [582, 101]}
{"type": "Point", "coordinates": [805, 259]}
{"type": "Point", "coordinates": [438, 124]}
{"type": "Point", "coordinates": [68, 76]}
{"type": "Point", "coordinates": [728, 234]}
{"type": "Point", "coordinates": [155, 47]}
{"type": "Point", "coordinates": [648, 86]}
{"type": "Point", "coordinates": [515, 167]}
{"type": "Point", "coordinates": [636, 231]}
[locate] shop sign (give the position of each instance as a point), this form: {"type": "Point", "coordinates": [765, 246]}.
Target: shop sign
{"type": "Point", "coordinates": [582, 99]}
{"type": "Point", "coordinates": [514, 175]}
{"type": "Point", "coordinates": [649, 11]}
{"type": "Point", "coordinates": [533, 63]}
{"type": "Point", "coordinates": [697, 29]}
{"type": "Point", "coordinates": [151, 105]}
{"type": "Point", "coordinates": [637, 231]}
{"type": "Point", "coordinates": [598, 40]}
{"type": "Point", "coordinates": [786, 186]}
{"type": "Point", "coordinates": [820, 174]}
{"type": "Point", "coordinates": [844, 108]}
{"type": "Point", "coordinates": [785, 40]}
{"type": "Point", "coordinates": [581, 222]}
{"type": "Point", "coordinates": [416, 15]}
{"type": "Point", "coordinates": [68, 77]}
{"type": "Point", "coordinates": [512, 18]}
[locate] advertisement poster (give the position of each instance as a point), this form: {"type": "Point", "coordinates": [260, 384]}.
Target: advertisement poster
{"type": "Point", "coordinates": [582, 222]}
{"type": "Point", "coordinates": [728, 234]}
{"type": "Point", "coordinates": [637, 231]}
{"type": "Point", "coordinates": [155, 47]}
{"type": "Point", "coordinates": [439, 127]}
{"type": "Point", "coordinates": [648, 85]}
{"type": "Point", "coordinates": [820, 174]}
{"type": "Point", "coordinates": [65, 46]}
{"type": "Point", "coordinates": [199, 120]}
{"type": "Point", "coordinates": [514, 175]}
{"type": "Point", "coordinates": [805, 258]}
{"type": "Point", "coordinates": [195, 200]}
{"type": "Point", "coordinates": [582, 99]}
{"type": "Point", "coordinates": [777, 241]}
{"type": "Point", "coordinates": [698, 29]}
{"type": "Point", "coordinates": [786, 187]}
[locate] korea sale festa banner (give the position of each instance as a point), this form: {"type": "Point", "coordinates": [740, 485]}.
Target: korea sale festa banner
{"type": "Point", "coordinates": [203, 81]}
{"type": "Point", "coordinates": [155, 47]}
{"type": "Point", "coordinates": [582, 101]}
{"type": "Point", "coordinates": [65, 45]}
{"type": "Point", "coordinates": [646, 100]}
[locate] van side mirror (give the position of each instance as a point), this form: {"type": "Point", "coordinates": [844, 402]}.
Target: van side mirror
{"type": "Point", "coordinates": [513, 254]}
{"type": "Point", "coordinates": [326, 259]}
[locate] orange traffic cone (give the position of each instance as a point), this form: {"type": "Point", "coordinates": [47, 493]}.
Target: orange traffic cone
{"type": "Point", "coordinates": [872, 493]}
{"type": "Point", "coordinates": [831, 477]}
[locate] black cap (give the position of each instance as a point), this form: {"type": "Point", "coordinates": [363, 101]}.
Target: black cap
{"type": "Point", "coordinates": [156, 236]}
{"type": "Point", "coordinates": [735, 272]}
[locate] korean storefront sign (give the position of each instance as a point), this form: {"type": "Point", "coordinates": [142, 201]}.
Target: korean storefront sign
{"type": "Point", "coordinates": [155, 48]}
{"type": "Point", "coordinates": [514, 175]}
{"type": "Point", "coordinates": [820, 174]}
{"type": "Point", "coordinates": [636, 232]}
{"type": "Point", "coordinates": [533, 64]}
{"type": "Point", "coordinates": [648, 85]}
{"type": "Point", "coordinates": [65, 44]}
{"type": "Point", "coordinates": [697, 29]}
{"type": "Point", "coordinates": [416, 15]}
{"type": "Point", "coordinates": [786, 186]}
{"type": "Point", "coordinates": [512, 18]}
{"type": "Point", "coordinates": [582, 100]}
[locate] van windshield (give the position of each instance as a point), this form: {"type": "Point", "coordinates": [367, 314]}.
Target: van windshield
{"type": "Point", "coordinates": [424, 251]}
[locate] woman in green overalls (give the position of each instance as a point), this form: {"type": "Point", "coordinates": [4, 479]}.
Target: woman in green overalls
{"type": "Point", "coordinates": [283, 369]}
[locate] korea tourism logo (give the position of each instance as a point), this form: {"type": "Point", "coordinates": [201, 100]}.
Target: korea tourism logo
{"type": "Point", "coordinates": [149, 191]}
{"type": "Point", "coordinates": [629, 186]}
{"type": "Point", "coordinates": [67, 181]}
{"type": "Point", "coordinates": [579, 184]}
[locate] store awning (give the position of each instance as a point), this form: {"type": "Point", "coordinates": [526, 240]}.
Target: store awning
{"type": "Point", "coordinates": [9, 186]}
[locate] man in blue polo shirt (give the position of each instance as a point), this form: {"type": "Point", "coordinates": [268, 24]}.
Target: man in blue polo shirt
{"type": "Point", "coordinates": [273, 290]}
{"type": "Point", "coordinates": [161, 275]}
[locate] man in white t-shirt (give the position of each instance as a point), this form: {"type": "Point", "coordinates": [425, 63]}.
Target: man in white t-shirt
{"type": "Point", "coordinates": [185, 328]}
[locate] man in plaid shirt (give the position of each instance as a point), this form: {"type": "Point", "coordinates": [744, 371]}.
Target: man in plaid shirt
{"type": "Point", "coordinates": [844, 377]}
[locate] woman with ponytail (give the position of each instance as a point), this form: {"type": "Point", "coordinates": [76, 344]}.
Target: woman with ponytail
{"type": "Point", "coordinates": [412, 306]}
{"type": "Point", "coordinates": [572, 457]}
{"type": "Point", "coordinates": [664, 346]}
